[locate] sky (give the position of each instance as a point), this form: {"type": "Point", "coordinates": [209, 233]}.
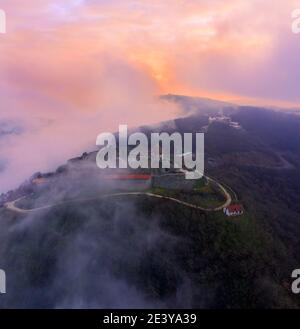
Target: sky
{"type": "Point", "coordinates": [74, 68]}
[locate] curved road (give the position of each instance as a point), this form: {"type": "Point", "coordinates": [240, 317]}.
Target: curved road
{"type": "Point", "coordinates": [12, 205]}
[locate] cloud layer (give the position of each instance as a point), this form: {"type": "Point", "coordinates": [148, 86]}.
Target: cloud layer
{"type": "Point", "coordinates": [69, 71]}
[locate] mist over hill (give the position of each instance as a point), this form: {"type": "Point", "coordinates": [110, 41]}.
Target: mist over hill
{"type": "Point", "coordinates": [142, 252]}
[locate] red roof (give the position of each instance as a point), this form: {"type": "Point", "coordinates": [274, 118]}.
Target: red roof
{"type": "Point", "coordinates": [128, 177]}
{"type": "Point", "coordinates": [235, 208]}
{"type": "Point", "coordinates": [39, 181]}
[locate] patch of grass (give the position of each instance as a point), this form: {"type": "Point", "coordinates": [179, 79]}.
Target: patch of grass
{"type": "Point", "coordinates": [200, 183]}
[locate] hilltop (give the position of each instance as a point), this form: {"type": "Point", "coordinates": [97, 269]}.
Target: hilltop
{"type": "Point", "coordinates": [156, 252]}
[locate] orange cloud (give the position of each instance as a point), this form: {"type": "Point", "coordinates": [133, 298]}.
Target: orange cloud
{"type": "Point", "coordinates": [83, 66]}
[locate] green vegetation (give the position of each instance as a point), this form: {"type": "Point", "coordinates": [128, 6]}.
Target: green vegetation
{"type": "Point", "coordinates": [172, 255]}
{"type": "Point", "coordinates": [233, 260]}
{"type": "Point", "coordinates": [200, 183]}
{"type": "Point", "coordinates": [206, 195]}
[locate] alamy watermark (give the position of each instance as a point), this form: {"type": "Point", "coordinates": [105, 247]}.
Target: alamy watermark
{"type": "Point", "coordinates": [296, 282]}
{"type": "Point", "coordinates": [2, 21]}
{"type": "Point", "coordinates": [296, 21]}
{"type": "Point", "coordinates": [2, 282]}
{"type": "Point", "coordinates": [154, 152]}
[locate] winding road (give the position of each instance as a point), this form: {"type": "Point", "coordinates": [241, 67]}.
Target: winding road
{"type": "Point", "coordinates": [13, 207]}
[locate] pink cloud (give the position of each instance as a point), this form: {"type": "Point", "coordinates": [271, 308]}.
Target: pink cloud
{"type": "Point", "coordinates": [71, 69]}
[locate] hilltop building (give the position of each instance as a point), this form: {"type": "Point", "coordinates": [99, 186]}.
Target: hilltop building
{"type": "Point", "coordinates": [233, 210]}
{"type": "Point", "coordinates": [128, 179]}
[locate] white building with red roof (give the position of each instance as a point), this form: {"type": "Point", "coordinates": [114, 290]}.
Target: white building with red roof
{"type": "Point", "coordinates": [234, 210]}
